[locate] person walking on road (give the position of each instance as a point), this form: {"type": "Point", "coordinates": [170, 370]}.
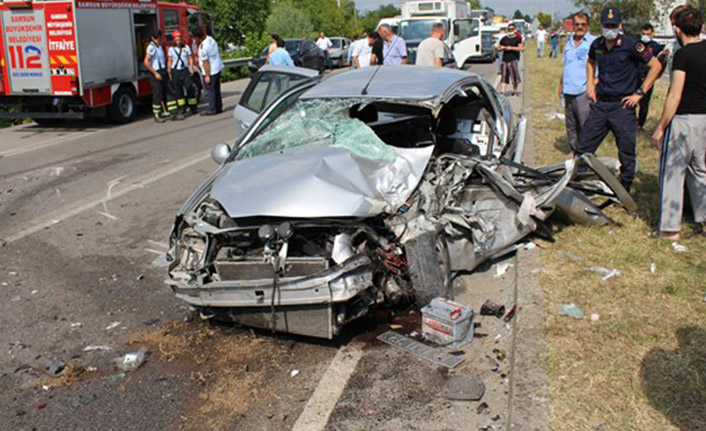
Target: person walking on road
{"type": "Point", "coordinates": [180, 64]}
{"type": "Point", "coordinates": [394, 49]}
{"type": "Point", "coordinates": [280, 56]}
{"type": "Point", "coordinates": [376, 45]}
{"type": "Point", "coordinates": [573, 86]}
{"type": "Point", "coordinates": [362, 52]}
{"type": "Point", "coordinates": [681, 133]}
{"type": "Point", "coordinates": [541, 37]}
{"type": "Point", "coordinates": [511, 46]}
{"type": "Point", "coordinates": [324, 43]}
{"type": "Point", "coordinates": [658, 51]}
{"type": "Point", "coordinates": [156, 64]}
{"type": "Point", "coordinates": [617, 58]}
{"type": "Point", "coordinates": [554, 44]}
{"type": "Point", "coordinates": [431, 50]}
{"type": "Point", "coordinates": [211, 67]}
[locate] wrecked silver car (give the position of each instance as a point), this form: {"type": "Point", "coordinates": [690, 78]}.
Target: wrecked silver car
{"type": "Point", "coordinates": [366, 189]}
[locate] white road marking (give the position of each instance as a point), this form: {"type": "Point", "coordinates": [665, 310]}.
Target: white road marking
{"type": "Point", "coordinates": [328, 391]}
{"type": "Point", "coordinates": [78, 207]}
{"type": "Point", "coordinates": [43, 144]}
{"type": "Point", "coordinates": [105, 214]}
{"type": "Point", "coordinates": [158, 244]}
{"type": "Point", "coordinates": [157, 252]}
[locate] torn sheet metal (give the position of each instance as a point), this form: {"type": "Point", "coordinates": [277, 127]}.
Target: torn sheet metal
{"type": "Point", "coordinates": [319, 181]}
{"type": "Point", "coordinates": [432, 354]}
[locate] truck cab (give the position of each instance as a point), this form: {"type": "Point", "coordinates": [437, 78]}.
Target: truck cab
{"type": "Point", "coordinates": [463, 33]}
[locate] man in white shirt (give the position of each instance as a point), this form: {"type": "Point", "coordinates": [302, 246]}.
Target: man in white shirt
{"type": "Point", "coordinates": [541, 40]}
{"type": "Point", "coordinates": [362, 52]}
{"type": "Point", "coordinates": [211, 67]}
{"type": "Point", "coordinates": [394, 50]}
{"type": "Point", "coordinates": [324, 43]}
{"type": "Point", "coordinates": [431, 51]}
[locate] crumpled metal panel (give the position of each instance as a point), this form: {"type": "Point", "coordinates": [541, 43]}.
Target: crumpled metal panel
{"type": "Point", "coordinates": [319, 181]}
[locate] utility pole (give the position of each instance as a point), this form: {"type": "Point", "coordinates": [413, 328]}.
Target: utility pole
{"type": "Point", "coordinates": [553, 4]}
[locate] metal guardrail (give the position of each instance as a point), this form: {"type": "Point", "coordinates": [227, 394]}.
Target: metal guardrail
{"type": "Point", "coordinates": [236, 62]}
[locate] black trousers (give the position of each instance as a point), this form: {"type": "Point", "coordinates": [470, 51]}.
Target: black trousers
{"type": "Point", "coordinates": [213, 93]}
{"type": "Point", "coordinates": [159, 91]}
{"type": "Point", "coordinates": [644, 108]}
{"type": "Point", "coordinates": [613, 117]}
{"type": "Point", "coordinates": [184, 89]}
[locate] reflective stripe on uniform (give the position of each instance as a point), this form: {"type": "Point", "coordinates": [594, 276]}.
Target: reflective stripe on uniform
{"type": "Point", "coordinates": [193, 101]}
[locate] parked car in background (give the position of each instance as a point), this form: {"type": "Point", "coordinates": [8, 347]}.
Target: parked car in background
{"type": "Point", "coordinates": [339, 51]}
{"type": "Point", "coordinates": [266, 85]}
{"type": "Point", "coordinates": [304, 53]}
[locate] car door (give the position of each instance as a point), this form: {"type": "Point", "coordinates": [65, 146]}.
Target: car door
{"type": "Point", "coordinates": [467, 40]}
{"type": "Point", "coordinates": [265, 87]}
{"type": "Point", "coordinates": [310, 55]}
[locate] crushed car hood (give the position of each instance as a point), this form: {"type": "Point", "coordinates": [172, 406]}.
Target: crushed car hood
{"type": "Point", "coordinates": [315, 181]}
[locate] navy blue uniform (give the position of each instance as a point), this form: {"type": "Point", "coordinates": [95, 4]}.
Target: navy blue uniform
{"type": "Point", "coordinates": [655, 49]}
{"type": "Point", "coordinates": [618, 72]}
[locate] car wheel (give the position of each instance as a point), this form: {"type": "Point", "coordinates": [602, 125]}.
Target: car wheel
{"type": "Point", "coordinates": [123, 109]}
{"type": "Point", "coordinates": [429, 266]}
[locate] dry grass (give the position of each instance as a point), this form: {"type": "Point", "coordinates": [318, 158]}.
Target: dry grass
{"type": "Point", "coordinates": [642, 365]}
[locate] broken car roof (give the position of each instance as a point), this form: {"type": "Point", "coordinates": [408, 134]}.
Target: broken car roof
{"type": "Point", "coordinates": [392, 82]}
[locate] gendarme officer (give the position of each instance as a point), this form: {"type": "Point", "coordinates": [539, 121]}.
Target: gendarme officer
{"type": "Point", "coordinates": [617, 93]}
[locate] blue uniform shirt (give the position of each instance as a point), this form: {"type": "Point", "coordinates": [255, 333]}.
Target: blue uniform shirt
{"type": "Point", "coordinates": [280, 57]}
{"type": "Point", "coordinates": [618, 69]}
{"type": "Point", "coordinates": [575, 58]}
{"type": "Point", "coordinates": [655, 48]}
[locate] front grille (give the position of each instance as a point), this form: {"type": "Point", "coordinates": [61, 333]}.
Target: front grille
{"type": "Point", "coordinates": [256, 269]}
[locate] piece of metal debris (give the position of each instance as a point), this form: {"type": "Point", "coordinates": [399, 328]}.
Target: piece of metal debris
{"type": "Point", "coordinates": [432, 354]}
{"type": "Point", "coordinates": [464, 388]}
{"type": "Point", "coordinates": [510, 314]}
{"type": "Point", "coordinates": [489, 308]}
{"type": "Point", "coordinates": [95, 348]}
{"type": "Point", "coordinates": [131, 361]}
{"type": "Point", "coordinates": [570, 310]}
{"type": "Point", "coordinates": [112, 325]}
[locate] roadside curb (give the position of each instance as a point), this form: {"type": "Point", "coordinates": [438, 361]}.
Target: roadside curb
{"type": "Point", "coordinates": [528, 405]}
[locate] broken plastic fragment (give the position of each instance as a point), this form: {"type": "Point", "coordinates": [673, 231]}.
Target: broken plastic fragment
{"type": "Point", "coordinates": [293, 373]}
{"type": "Point", "coordinates": [112, 325]}
{"type": "Point", "coordinates": [595, 317]}
{"type": "Point", "coordinates": [653, 267]}
{"type": "Point", "coordinates": [570, 310]}
{"type": "Point", "coordinates": [94, 348]}
{"type": "Point", "coordinates": [501, 269]}
{"type": "Point", "coordinates": [131, 361]}
{"type": "Point", "coordinates": [678, 248]}
{"type": "Point", "coordinates": [605, 272]}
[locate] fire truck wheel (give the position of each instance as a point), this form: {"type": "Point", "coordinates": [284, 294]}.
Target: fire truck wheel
{"type": "Point", "coordinates": [124, 106]}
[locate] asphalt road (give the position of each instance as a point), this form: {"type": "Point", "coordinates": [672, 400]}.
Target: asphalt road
{"type": "Point", "coordinates": [85, 212]}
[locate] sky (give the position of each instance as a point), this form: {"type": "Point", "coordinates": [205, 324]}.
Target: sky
{"type": "Point", "coordinates": [504, 7]}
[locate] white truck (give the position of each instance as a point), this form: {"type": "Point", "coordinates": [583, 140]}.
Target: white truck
{"type": "Point", "coordinates": [463, 33]}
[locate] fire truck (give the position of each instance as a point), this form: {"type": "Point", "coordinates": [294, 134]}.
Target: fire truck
{"type": "Point", "coordinates": [68, 59]}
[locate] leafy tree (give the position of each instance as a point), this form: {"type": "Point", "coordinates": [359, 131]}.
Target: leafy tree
{"type": "Point", "coordinates": [287, 20]}
{"type": "Point", "coordinates": [370, 20]}
{"type": "Point", "coordinates": [545, 19]}
{"type": "Point", "coordinates": [528, 18]}
{"type": "Point", "coordinates": [233, 19]}
{"type": "Point", "coordinates": [518, 15]}
{"type": "Point", "coordinates": [327, 16]}
{"type": "Point", "coordinates": [474, 4]}
{"type": "Point", "coordinates": [634, 12]}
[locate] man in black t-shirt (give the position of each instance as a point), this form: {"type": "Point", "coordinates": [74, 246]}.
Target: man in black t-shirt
{"type": "Point", "coordinates": [681, 133]}
{"type": "Point", "coordinates": [376, 43]}
{"type": "Point", "coordinates": [511, 46]}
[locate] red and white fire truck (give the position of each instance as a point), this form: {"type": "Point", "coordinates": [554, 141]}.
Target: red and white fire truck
{"type": "Point", "coordinates": [63, 59]}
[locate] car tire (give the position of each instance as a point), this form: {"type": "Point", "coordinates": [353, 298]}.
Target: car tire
{"type": "Point", "coordinates": [429, 266]}
{"type": "Point", "coordinates": [123, 109]}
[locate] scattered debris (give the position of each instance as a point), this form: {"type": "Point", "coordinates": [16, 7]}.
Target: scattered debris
{"type": "Point", "coordinates": [112, 325]}
{"type": "Point", "coordinates": [140, 277]}
{"type": "Point", "coordinates": [464, 388]}
{"type": "Point", "coordinates": [500, 354]}
{"type": "Point", "coordinates": [653, 267]}
{"type": "Point", "coordinates": [510, 314]}
{"type": "Point", "coordinates": [489, 308]}
{"type": "Point", "coordinates": [605, 272]}
{"type": "Point", "coordinates": [434, 355]}
{"type": "Point", "coordinates": [52, 366]}
{"type": "Point", "coordinates": [530, 246]}
{"type": "Point", "coordinates": [94, 348]}
{"type": "Point", "coordinates": [447, 323]}
{"type": "Point", "coordinates": [131, 361]}
{"type": "Point", "coordinates": [555, 114]}
{"type": "Point", "coordinates": [76, 324]}
{"type": "Point", "coordinates": [395, 326]}
{"type": "Point", "coordinates": [570, 310]}
{"type": "Point", "coordinates": [483, 408]}
{"type": "Point", "coordinates": [494, 364]}
{"type": "Point", "coordinates": [293, 373]}
{"type": "Point", "coordinates": [572, 256]}
{"type": "Point", "coordinates": [501, 269]}
{"type": "Point", "coordinates": [41, 405]}
{"type": "Point", "coordinates": [678, 248]}
{"type": "Point", "coordinates": [594, 317]}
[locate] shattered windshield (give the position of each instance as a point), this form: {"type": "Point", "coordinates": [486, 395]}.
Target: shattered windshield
{"type": "Point", "coordinates": [319, 122]}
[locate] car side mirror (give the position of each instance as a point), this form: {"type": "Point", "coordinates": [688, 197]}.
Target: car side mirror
{"type": "Point", "coordinates": [220, 152]}
{"type": "Point", "coordinates": [456, 30]}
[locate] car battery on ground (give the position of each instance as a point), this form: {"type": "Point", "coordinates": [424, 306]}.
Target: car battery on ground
{"type": "Point", "coordinates": [447, 323]}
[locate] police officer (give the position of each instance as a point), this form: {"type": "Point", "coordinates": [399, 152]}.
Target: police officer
{"type": "Point", "coordinates": [181, 68]}
{"type": "Point", "coordinates": [155, 63]}
{"type": "Point", "coordinates": [617, 93]}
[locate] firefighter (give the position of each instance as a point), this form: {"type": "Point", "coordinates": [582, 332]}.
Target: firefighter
{"type": "Point", "coordinates": [180, 63]}
{"type": "Point", "coordinates": [156, 64]}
